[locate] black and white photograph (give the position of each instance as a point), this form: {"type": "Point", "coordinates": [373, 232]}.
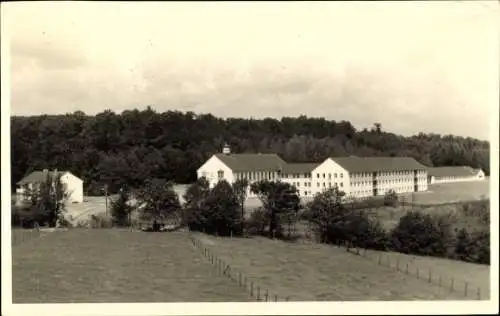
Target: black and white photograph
{"type": "Point", "coordinates": [250, 158]}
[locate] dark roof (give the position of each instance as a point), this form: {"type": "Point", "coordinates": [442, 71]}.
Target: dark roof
{"type": "Point", "coordinates": [456, 171]}
{"type": "Point", "coordinates": [299, 167]}
{"type": "Point", "coordinates": [252, 162]}
{"type": "Point", "coordinates": [373, 164]}
{"type": "Point", "coordinates": [37, 176]}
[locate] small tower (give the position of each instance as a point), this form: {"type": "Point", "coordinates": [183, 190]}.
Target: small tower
{"type": "Point", "coordinates": [226, 150]}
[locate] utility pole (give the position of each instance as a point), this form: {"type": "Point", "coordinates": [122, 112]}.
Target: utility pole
{"type": "Point", "coordinates": [106, 194]}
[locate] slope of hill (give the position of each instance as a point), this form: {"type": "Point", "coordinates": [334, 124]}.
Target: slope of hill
{"type": "Point", "coordinates": [115, 265]}
{"type": "Point", "coordinates": [305, 272]}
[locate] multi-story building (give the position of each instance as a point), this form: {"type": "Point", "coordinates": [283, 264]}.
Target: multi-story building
{"type": "Point", "coordinates": [454, 174]}
{"type": "Point", "coordinates": [358, 177]}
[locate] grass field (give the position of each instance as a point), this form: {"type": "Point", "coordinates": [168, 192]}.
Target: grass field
{"type": "Point", "coordinates": [112, 265]}
{"type": "Point", "coordinates": [307, 272]}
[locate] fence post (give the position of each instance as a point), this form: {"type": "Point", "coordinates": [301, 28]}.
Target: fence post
{"type": "Point", "coordinates": [287, 298]}
{"type": "Point", "coordinates": [267, 295]}
{"type": "Point", "coordinates": [379, 259]}
{"type": "Point", "coordinates": [439, 281]}
{"type": "Point", "coordinates": [258, 292]}
{"type": "Point", "coordinates": [239, 278]}
{"type": "Point", "coordinates": [407, 268]}
{"type": "Point", "coordinates": [418, 273]}
{"type": "Point", "coordinates": [275, 298]}
{"type": "Point", "coordinates": [430, 275]}
{"type": "Point", "coordinates": [397, 264]}
{"type": "Point", "coordinates": [478, 293]}
{"type": "Point", "coordinates": [452, 284]}
{"type": "Point", "coordinates": [251, 288]}
{"type": "Point", "coordinates": [465, 289]}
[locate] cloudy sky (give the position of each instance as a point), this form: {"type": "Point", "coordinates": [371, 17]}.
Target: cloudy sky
{"type": "Point", "coordinates": [413, 66]}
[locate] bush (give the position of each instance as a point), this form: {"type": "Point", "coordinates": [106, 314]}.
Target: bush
{"type": "Point", "coordinates": [27, 216]}
{"type": "Point", "coordinates": [418, 233]}
{"type": "Point", "coordinates": [101, 221]}
{"type": "Point", "coordinates": [258, 222]}
{"type": "Point", "coordinates": [391, 199]}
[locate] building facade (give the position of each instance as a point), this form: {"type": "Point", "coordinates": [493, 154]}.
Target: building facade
{"type": "Point", "coordinates": [454, 174]}
{"type": "Point", "coordinates": [358, 177]}
{"type": "Point", "coordinates": [72, 185]}
{"type": "Point", "coordinates": [232, 167]}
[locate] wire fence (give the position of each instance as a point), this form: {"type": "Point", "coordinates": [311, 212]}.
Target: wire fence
{"type": "Point", "coordinates": [254, 288]}
{"type": "Point", "coordinates": [21, 236]}
{"type": "Point", "coordinates": [401, 265]}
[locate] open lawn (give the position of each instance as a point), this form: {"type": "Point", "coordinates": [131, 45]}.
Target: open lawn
{"type": "Point", "coordinates": [451, 192]}
{"type": "Point", "coordinates": [114, 265]}
{"type": "Point", "coordinates": [306, 272]}
{"type": "Point", "coordinates": [390, 216]}
{"type": "Point", "coordinates": [437, 194]}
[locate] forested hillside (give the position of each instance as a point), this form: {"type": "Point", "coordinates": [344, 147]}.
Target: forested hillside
{"type": "Point", "coordinates": [127, 148]}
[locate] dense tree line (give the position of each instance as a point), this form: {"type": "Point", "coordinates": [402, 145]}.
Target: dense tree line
{"type": "Point", "coordinates": [128, 148]}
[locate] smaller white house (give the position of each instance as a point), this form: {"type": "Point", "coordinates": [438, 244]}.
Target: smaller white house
{"type": "Point", "coordinates": [71, 184]}
{"type": "Point", "coordinates": [454, 174]}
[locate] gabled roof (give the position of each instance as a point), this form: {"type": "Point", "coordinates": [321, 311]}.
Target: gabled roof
{"type": "Point", "coordinates": [455, 171]}
{"type": "Point", "coordinates": [37, 176]}
{"type": "Point", "coordinates": [252, 162]}
{"type": "Point", "coordinates": [290, 168]}
{"type": "Point", "coordinates": [374, 164]}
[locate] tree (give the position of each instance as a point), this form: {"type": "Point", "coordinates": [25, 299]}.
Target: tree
{"type": "Point", "coordinates": [221, 209]}
{"type": "Point", "coordinates": [240, 188]}
{"type": "Point", "coordinates": [337, 223]}
{"type": "Point", "coordinates": [193, 215]}
{"type": "Point", "coordinates": [121, 209]}
{"type": "Point", "coordinates": [48, 199]}
{"type": "Point", "coordinates": [417, 233]}
{"type": "Point", "coordinates": [279, 199]}
{"type": "Point", "coordinates": [129, 147]}
{"type": "Point", "coordinates": [158, 201]}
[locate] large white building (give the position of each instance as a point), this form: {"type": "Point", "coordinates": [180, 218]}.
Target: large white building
{"type": "Point", "coordinates": [454, 174]}
{"type": "Point", "coordinates": [358, 177]}
{"type": "Point", "coordinates": [72, 185]}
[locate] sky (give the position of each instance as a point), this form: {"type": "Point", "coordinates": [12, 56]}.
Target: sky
{"type": "Point", "coordinates": [412, 66]}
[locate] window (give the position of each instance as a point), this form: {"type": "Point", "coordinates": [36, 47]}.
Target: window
{"type": "Point", "coordinates": [329, 184]}
{"type": "Point", "coordinates": [318, 175]}
{"type": "Point", "coordinates": [341, 184]}
{"type": "Point", "coordinates": [318, 184]}
{"type": "Point", "coordinates": [220, 174]}
{"type": "Point", "coordinates": [341, 175]}
{"type": "Point", "coordinates": [335, 175]}
{"type": "Point", "coordinates": [324, 185]}
{"type": "Point", "coordinates": [329, 176]}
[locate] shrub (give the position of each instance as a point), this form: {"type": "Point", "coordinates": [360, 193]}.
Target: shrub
{"type": "Point", "coordinates": [258, 222]}
{"type": "Point", "coordinates": [101, 221]}
{"type": "Point", "coordinates": [27, 216]}
{"type": "Point", "coordinates": [417, 233]}
{"type": "Point", "coordinates": [391, 198]}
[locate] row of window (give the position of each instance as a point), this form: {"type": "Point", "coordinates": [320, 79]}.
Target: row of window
{"type": "Point", "coordinates": [297, 175]}
{"type": "Point", "coordinates": [341, 175]}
